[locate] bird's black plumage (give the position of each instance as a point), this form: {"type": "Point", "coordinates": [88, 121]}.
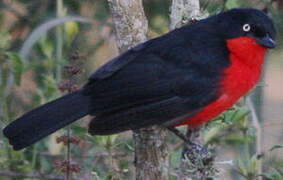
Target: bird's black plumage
{"type": "Point", "coordinates": [161, 81]}
{"type": "Point", "coordinates": [46, 119]}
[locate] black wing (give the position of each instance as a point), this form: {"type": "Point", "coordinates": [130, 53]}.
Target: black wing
{"type": "Point", "coordinates": [161, 81]}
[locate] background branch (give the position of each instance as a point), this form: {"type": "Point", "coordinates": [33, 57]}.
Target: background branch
{"type": "Point", "coordinates": [257, 126]}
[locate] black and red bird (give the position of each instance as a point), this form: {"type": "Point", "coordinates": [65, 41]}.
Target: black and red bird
{"type": "Point", "coordinates": [185, 77]}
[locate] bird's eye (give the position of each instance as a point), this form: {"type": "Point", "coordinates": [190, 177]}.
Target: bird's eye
{"type": "Point", "coordinates": [246, 27]}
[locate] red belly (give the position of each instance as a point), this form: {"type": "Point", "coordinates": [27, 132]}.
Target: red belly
{"type": "Point", "coordinates": [239, 78]}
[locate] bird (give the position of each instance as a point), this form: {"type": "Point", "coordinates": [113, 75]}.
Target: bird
{"type": "Point", "coordinates": [185, 77]}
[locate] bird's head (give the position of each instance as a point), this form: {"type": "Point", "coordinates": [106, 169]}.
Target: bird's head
{"type": "Point", "coordinates": [251, 23]}
{"type": "Point", "coordinates": [248, 32]}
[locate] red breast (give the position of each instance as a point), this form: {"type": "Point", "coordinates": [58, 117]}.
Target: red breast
{"type": "Point", "coordinates": [240, 77]}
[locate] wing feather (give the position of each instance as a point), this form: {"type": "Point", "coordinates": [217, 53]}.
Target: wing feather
{"type": "Point", "coordinates": [161, 81]}
{"type": "Point", "coordinates": [162, 112]}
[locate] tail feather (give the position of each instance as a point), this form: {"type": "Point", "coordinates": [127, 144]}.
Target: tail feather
{"type": "Point", "coordinates": [46, 119]}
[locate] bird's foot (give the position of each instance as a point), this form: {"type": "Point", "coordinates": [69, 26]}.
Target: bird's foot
{"type": "Point", "coordinates": [192, 149]}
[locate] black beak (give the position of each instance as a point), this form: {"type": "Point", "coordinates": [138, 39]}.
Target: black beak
{"type": "Point", "coordinates": [267, 42]}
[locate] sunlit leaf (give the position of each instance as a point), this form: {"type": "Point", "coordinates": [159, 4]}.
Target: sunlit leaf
{"type": "Point", "coordinates": [71, 28]}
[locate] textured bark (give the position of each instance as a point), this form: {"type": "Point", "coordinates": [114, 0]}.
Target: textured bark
{"type": "Point", "coordinates": [129, 21]}
{"type": "Point", "coordinates": [152, 157]}
{"type": "Point", "coordinates": [197, 162]}
{"type": "Point", "coordinates": [151, 153]}
{"type": "Point", "coordinates": [182, 11]}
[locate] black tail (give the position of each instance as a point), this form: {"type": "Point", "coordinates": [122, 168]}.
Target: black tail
{"type": "Point", "coordinates": [46, 119]}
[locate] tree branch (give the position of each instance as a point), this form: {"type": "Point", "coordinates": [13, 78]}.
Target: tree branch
{"type": "Point", "coordinates": [129, 21]}
{"type": "Point", "coordinates": [182, 11]}
{"type": "Point", "coordinates": [197, 163]}
{"type": "Point", "coordinates": [151, 154]}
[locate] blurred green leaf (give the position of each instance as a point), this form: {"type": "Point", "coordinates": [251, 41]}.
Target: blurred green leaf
{"type": "Point", "coordinates": [79, 130]}
{"type": "Point", "coordinates": [273, 175]}
{"type": "Point", "coordinates": [50, 87]}
{"type": "Point", "coordinates": [230, 4]}
{"type": "Point", "coordinates": [46, 47]}
{"type": "Point", "coordinates": [242, 167]}
{"type": "Point", "coordinates": [131, 148]}
{"type": "Point", "coordinates": [277, 146]}
{"type": "Point", "coordinates": [5, 40]}
{"type": "Point", "coordinates": [71, 29]}
{"type": "Point", "coordinates": [254, 164]}
{"type": "Point", "coordinates": [17, 66]}
{"type": "Point", "coordinates": [235, 115]}
{"type": "Point", "coordinates": [235, 140]}
{"type": "Point", "coordinates": [248, 167]}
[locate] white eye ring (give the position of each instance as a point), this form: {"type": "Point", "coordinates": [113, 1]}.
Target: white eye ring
{"type": "Point", "coordinates": [246, 27]}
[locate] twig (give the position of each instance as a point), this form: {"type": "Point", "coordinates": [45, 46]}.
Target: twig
{"type": "Point", "coordinates": [257, 126]}
{"type": "Point", "coordinates": [68, 173]}
{"type": "Point", "coordinates": [59, 42]}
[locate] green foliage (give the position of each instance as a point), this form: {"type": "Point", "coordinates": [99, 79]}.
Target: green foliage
{"type": "Point", "coordinates": [232, 122]}
{"type": "Point", "coordinates": [273, 175]}
{"type": "Point", "coordinates": [230, 4]}
{"type": "Point", "coordinates": [248, 167]}
{"type": "Point", "coordinates": [5, 40]}
{"type": "Point", "coordinates": [17, 66]}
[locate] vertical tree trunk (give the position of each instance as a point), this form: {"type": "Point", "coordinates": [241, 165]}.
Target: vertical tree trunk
{"type": "Point", "coordinates": [182, 11]}
{"type": "Point", "coordinates": [152, 157]}
{"type": "Point", "coordinates": [197, 163]}
{"type": "Point", "coordinates": [129, 21]}
{"type": "Point", "coordinates": [151, 153]}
